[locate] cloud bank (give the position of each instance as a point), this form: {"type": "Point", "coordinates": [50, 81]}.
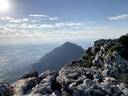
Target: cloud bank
{"type": "Point", "coordinates": [120, 17]}
{"type": "Point", "coordinates": [39, 28]}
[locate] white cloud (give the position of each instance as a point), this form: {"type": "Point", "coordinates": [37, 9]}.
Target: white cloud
{"type": "Point", "coordinates": [120, 17]}
{"type": "Point", "coordinates": [52, 37]}
{"type": "Point", "coordinates": [46, 26]}
{"type": "Point", "coordinates": [90, 22]}
{"type": "Point", "coordinates": [97, 28]}
{"type": "Point", "coordinates": [14, 20]}
{"type": "Point", "coordinates": [22, 25]}
{"type": "Point", "coordinates": [19, 20]}
{"type": "Point", "coordinates": [33, 18]}
{"type": "Point", "coordinates": [60, 24]}
{"type": "Point", "coordinates": [74, 24]}
{"type": "Point", "coordinates": [6, 18]}
{"type": "Point", "coordinates": [53, 18]}
{"type": "Point", "coordinates": [68, 24]}
{"type": "Point", "coordinates": [34, 21]}
{"type": "Point", "coordinates": [25, 19]}
{"type": "Point", "coordinates": [37, 15]}
{"type": "Point", "coordinates": [45, 17]}
{"type": "Point", "coordinates": [32, 29]}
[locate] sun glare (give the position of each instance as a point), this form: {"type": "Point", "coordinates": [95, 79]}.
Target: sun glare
{"type": "Point", "coordinates": [4, 6]}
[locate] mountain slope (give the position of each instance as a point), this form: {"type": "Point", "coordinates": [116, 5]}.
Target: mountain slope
{"type": "Point", "coordinates": [59, 56]}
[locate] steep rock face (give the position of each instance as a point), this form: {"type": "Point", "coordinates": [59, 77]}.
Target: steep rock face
{"type": "Point", "coordinates": [108, 55]}
{"type": "Point", "coordinates": [55, 59]}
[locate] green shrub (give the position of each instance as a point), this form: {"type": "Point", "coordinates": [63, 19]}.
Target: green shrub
{"type": "Point", "coordinates": [122, 50]}
{"type": "Point", "coordinates": [123, 78]}
{"type": "Point", "coordinates": [87, 58]}
{"type": "Point", "coordinates": [116, 48]}
{"type": "Point", "coordinates": [124, 40]}
{"type": "Point", "coordinates": [124, 53]}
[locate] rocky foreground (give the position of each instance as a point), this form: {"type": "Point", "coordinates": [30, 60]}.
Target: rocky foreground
{"type": "Point", "coordinates": [102, 71]}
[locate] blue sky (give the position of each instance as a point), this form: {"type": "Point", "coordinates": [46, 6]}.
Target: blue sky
{"type": "Point", "coordinates": [50, 21]}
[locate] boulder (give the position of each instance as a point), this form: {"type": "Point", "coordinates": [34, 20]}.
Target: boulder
{"type": "Point", "coordinates": [24, 86]}
{"type": "Point", "coordinates": [105, 88]}
{"type": "Point", "coordinates": [71, 77]}
{"type": "Point", "coordinates": [48, 84]}
{"type": "Point", "coordinates": [50, 73]}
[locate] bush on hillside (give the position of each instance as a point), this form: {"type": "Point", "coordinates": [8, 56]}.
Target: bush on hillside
{"type": "Point", "coordinates": [123, 78]}
{"type": "Point", "coordinates": [115, 48]}
{"type": "Point", "coordinates": [124, 53]}
{"type": "Point", "coordinates": [124, 40]}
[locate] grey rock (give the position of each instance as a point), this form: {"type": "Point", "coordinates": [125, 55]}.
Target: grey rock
{"type": "Point", "coordinates": [116, 65]}
{"type": "Point", "coordinates": [56, 93]}
{"type": "Point", "coordinates": [24, 86]}
{"type": "Point", "coordinates": [124, 88]}
{"type": "Point", "coordinates": [50, 73]}
{"type": "Point", "coordinates": [47, 84]}
{"type": "Point", "coordinates": [91, 88]}
{"type": "Point", "coordinates": [70, 78]}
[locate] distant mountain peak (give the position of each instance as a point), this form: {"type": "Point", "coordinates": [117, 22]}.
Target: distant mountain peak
{"type": "Point", "coordinates": [58, 57]}
{"type": "Point", "coordinates": [69, 44]}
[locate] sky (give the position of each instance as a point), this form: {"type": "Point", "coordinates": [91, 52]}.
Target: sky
{"type": "Point", "coordinates": [54, 21]}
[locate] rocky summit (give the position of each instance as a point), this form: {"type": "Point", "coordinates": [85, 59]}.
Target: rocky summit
{"type": "Point", "coordinates": [101, 71]}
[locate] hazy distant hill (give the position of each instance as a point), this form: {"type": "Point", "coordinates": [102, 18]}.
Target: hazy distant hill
{"type": "Point", "coordinates": [59, 56]}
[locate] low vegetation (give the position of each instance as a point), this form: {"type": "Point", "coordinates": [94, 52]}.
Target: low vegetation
{"type": "Point", "coordinates": [121, 48]}
{"type": "Point", "coordinates": [123, 78]}
{"type": "Point", "coordinates": [116, 48]}
{"type": "Point", "coordinates": [124, 40]}
{"type": "Point", "coordinates": [124, 53]}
